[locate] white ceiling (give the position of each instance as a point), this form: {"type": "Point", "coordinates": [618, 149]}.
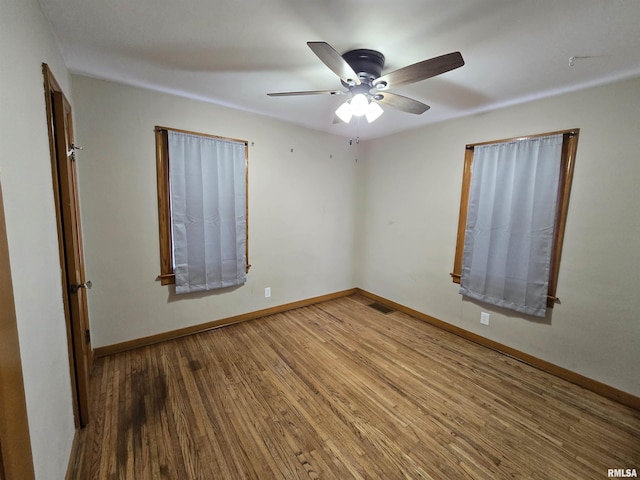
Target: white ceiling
{"type": "Point", "coordinates": [232, 52]}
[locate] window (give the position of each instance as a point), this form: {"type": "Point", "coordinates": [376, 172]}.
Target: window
{"type": "Point", "coordinates": [509, 187]}
{"type": "Point", "coordinates": [202, 210]}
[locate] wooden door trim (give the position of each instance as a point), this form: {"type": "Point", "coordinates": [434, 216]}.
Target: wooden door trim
{"type": "Point", "coordinates": [80, 399]}
{"type": "Point", "coordinates": [16, 459]}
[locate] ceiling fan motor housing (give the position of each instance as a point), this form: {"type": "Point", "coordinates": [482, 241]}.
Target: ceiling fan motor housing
{"type": "Point", "coordinates": [367, 64]}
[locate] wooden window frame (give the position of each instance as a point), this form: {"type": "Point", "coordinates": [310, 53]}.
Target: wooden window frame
{"type": "Point", "coordinates": [167, 274]}
{"type": "Point", "coordinates": [567, 161]}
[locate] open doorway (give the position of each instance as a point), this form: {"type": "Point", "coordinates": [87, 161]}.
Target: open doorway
{"type": "Point", "coordinates": [16, 460]}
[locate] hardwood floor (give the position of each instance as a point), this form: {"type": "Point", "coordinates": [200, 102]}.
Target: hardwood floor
{"type": "Point", "coordinates": [339, 390]}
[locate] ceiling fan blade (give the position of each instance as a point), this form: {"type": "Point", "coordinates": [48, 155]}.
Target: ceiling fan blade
{"type": "Point", "coordinates": [310, 92]}
{"type": "Point", "coordinates": [332, 59]}
{"type": "Point", "coordinates": [399, 102]}
{"type": "Point", "coordinates": [421, 70]}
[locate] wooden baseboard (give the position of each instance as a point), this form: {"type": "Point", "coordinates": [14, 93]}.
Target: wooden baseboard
{"type": "Point", "coordinates": [182, 332]}
{"type": "Point", "coordinates": [573, 377]}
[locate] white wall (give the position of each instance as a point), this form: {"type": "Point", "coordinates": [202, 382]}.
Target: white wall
{"type": "Point", "coordinates": [411, 196]}
{"type": "Point", "coordinates": [301, 210]}
{"type": "Point", "coordinates": [25, 171]}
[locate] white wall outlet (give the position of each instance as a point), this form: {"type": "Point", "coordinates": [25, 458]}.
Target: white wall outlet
{"type": "Point", "coordinates": [484, 318]}
{"type": "Point", "coordinates": [267, 292]}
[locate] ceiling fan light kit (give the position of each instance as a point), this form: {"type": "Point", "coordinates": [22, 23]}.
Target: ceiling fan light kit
{"type": "Point", "coordinates": [360, 72]}
{"type": "Point", "coordinates": [359, 106]}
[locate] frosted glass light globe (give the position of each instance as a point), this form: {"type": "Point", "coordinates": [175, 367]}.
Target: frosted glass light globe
{"type": "Point", "coordinates": [344, 112]}
{"type": "Point", "coordinates": [359, 104]}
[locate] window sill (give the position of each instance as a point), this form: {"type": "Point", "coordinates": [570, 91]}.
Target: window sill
{"type": "Point", "coordinates": [166, 279]}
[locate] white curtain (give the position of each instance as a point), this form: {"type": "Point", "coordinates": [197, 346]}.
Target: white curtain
{"type": "Point", "coordinates": [510, 223]}
{"type": "Point", "coordinates": [208, 211]}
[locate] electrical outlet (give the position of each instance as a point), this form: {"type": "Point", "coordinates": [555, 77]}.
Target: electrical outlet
{"type": "Point", "coordinates": [267, 292]}
{"type": "Point", "coordinates": [484, 318]}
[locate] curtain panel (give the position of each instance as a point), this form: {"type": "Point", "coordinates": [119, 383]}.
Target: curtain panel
{"type": "Point", "coordinates": [208, 211]}
{"type": "Point", "coordinates": [510, 223]}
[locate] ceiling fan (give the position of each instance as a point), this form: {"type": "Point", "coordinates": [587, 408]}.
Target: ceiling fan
{"type": "Point", "coordinates": [360, 72]}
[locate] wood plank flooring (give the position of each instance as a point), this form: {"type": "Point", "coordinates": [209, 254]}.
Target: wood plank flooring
{"type": "Point", "coordinates": [339, 390]}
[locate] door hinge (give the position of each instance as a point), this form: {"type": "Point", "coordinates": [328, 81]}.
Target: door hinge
{"type": "Point", "coordinates": [74, 287]}
{"type": "Point", "coordinates": [87, 336]}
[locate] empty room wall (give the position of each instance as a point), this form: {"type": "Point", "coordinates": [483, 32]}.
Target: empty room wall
{"type": "Point", "coordinates": [411, 192]}
{"type": "Point", "coordinates": [25, 173]}
{"type": "Point", "coordinates": [301, 210]}
{"type": "Point", "coordinates": [320, 222]}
